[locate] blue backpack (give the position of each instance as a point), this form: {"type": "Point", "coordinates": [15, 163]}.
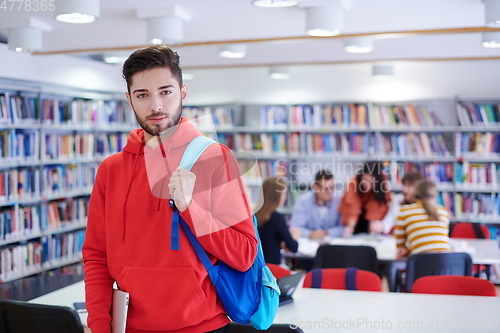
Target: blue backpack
{"type": "Point", "coordinates": [250, 297]}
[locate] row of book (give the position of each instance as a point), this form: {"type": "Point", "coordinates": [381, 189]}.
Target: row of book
{"type": "Point", "coordinates": [473, 114]}
{"type": "Point", "coordinates": [22, 222]}
{"type": "Point", "coordinates": [205, 118]}
{"type": "Point", "coordinates": [484, 206]}
{"type": "Point", "coordinates": [477, 175]}
{"type": "Point", "coordinates": [321, 116]}
{"type": "Point", "coordinates": [406, 116]}
{"type": "Point", "coordinates": [25, 145]}
{"type": "Point", "coordinates": [17, 109]}
{"type": "Point", "coordinates": [477, 144]}
{"type": "Point", "coordinates": [32, 257]}
{"type": "Point", "coordinates": [48, 181]}
{"type": "Point", "coordinates": [67, 146]}
{"type": "Point", "coordinates": [411, 144]}
{"type": "Point", "coordinates": [438, 173]}
{"type": "Point", "coordinates": [20, 145]}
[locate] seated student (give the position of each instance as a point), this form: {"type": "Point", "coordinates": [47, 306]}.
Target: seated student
{"type": "Point", "coordinates": [366, 199]}
{"type": "Point", "coordinates": [271, 224]}
{"type": "Point", "coordinates": [315, 213]}
{"type": "Point", "coordinates": [424, 225]}
{"type": "Point", "coordinates": [409, 181]}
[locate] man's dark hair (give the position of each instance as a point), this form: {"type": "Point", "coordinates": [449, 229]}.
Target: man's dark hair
{"type": "Point", "coordinates": [323, 174]}
{"type": "Point", "coordinates": [149, 58]}
{"type": "Point", "coordinates": [412, 178]}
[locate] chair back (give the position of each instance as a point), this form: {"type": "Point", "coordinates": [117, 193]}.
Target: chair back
{"type": "Point", "coordinates": [17, 316]}
{"type": "Point", "coordinates": [454, 285]}
{"type": "Point", "coordinates": [275, 328]}
{"type": "Point", "coordinates": [342, 278]}
{"type": "Point", "coordinates": [470, 230]}
{"type": "Point", "coordinates": [424, 264]}
{"type": "Point", "coordinates": [343, 256]}
{"type": "Point", "coordinates": [278, 271]}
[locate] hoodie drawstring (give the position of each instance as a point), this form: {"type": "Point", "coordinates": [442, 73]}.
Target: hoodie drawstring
{"type": "Point", "coordinates": [164, 155]}
{"type": "Point", "coordinates": [126, 197]}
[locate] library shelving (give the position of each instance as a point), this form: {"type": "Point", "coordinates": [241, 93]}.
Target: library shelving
{"type": "Point", "coordinates": [52, 140]}
{"type": "Point", "coordinates": [454, 143]}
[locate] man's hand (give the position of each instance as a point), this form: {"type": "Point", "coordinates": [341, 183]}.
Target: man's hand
{"type": "Point", "coordinates": [348, 231]}
{"type": "Point", "coordinates": [181, 188]}
{"type": "Point", "coordinates": [318, 234]}
{"type": "Point", "coordinates": [295, 232]}
{"type": "Point", "coordinates": [376, 227]}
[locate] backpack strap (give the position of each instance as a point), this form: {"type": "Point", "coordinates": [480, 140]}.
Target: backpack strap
{"type": "Point", "coordinates": [350, 278]}
{"type": "Point", "coordinates": [316, 275]}
{"type": "Point", "coordinates": [193, 151]}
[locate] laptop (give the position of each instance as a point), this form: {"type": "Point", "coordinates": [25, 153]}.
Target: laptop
{"type": "Point", "coordinates": [288, 285]}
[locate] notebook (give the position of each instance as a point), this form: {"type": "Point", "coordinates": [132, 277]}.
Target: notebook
{"type": "Point", "coordinates": [120, 309]}
{"type": "Point", "coordinates": [287, 285]}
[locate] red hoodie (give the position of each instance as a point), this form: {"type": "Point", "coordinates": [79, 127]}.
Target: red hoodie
{"type": "Point", "coordinates": [129, 229]}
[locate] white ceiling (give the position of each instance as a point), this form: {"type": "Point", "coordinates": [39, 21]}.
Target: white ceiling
{"type": "Point", "coordinates": [230, 20]}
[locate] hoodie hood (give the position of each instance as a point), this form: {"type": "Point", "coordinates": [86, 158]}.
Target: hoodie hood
{"type": "Point", "coordinates": [156, 156]}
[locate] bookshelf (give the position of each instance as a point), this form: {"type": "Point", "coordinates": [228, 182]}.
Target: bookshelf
{"type": "Point", "coordinates": [453, 142]}
{"type": "Point", "coordinates": [52, 140]}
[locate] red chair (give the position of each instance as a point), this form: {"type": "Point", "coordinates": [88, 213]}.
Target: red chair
{"type": "Point", "coordinates": [278, 271]}
{"type": "Point", "coordinates": [454, 285]}
{"type": "Point", "coordinates": [472, 231]}
{"type": "Point", "coordinates": [343, 278]}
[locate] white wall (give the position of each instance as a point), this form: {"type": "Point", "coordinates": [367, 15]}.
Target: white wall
{"type": "Point", "coordinates": [61, 70]}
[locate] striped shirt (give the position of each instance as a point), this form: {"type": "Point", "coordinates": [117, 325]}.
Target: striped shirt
{"type": "Point", "coordinates": [420, 234]}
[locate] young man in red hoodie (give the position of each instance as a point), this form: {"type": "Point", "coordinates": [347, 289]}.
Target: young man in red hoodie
{"type": "Point", "coordinates": [128, 237]}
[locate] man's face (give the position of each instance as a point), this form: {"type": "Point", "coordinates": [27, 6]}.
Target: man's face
{"type": "Point", "coordinates": [156, 98]}
{"type": "Point", "coordinates": [324, 189]}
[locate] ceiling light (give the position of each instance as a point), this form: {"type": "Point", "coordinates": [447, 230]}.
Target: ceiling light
{"type": "Point", "coordinates": [279, 73]}
{"type": "Point", "coordinates": [324, 21]}
{"type": "Point", "coordinates": [491, 39]}
{"type": "Point", "coordinates": [492, 13]}
{"type": "Point", "coordinates": [275, 3]}
{"type": "Point", "coordinates": [358, 45]}
{"type": "Point", "coordinates": [165, 30]}
{"type": "Point", "coordinates": [187, 76]}
{"type": "Point", "coordinates": [77, 11]}
{"type": "Point", "coordinates": [233, 50]}
{"type": "Point", "coordinates": [116, 57]}
{"type": "Point", "coordinates": [382, 72]}
{"type": "Point", "coordinates": [25, 39]}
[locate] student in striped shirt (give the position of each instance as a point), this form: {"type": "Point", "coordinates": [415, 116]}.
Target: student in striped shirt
{"type": "Point", "coordinates": [424, 225]}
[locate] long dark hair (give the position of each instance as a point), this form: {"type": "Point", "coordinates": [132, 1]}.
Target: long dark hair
{"type": "Point", "coordinates": [272, 189]}
{"type": "Point", "coordinates": [375, 169]}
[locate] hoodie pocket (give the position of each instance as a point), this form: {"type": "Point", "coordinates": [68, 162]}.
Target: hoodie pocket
{"type": "Point", "coordinates": [163, 298]}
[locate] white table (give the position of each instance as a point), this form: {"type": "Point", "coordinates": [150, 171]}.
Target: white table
{"type": "Point", "coordinates": [482, 251]}
{"type": "Point", "coordinates": [322, 310]}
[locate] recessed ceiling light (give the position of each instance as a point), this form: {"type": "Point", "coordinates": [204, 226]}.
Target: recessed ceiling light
{"type": "Point", "coordinates": [233, 50]}
{"type": "Point", "coordinates": [77, 11]}
{"type": "Point", "coordinates": [358, 45]}
{"type": "Point", "coordinates": [324, 21]}
{"type": "Point", "coordinates": [491, 39]}
{"type": "Point", "coordinates": [279, 73]}
{"type": "Point", "coordinates": [25, 39]}
{"type": "Point", "coordinates": [492, 13]}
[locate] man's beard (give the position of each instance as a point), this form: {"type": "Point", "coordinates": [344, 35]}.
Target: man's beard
{"type": "Point", "coordinates": [172, 120]}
